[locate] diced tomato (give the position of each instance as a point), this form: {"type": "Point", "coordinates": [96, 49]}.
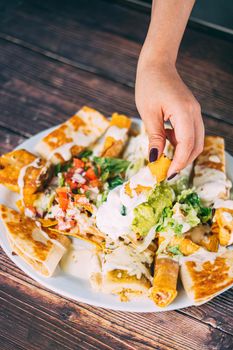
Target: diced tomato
{"type": "Point", "coordinates": [63, 198]}
{"type": "Point", "coordinates": [95, 183]}
{"type": "Point", "coordinates": [85, 187]}
{"type": "Point", "coordinates": [90, 174]}
{"type": "Point", "coordinates": [72, 223]}
{"type": "Point", "coordinates": [78, 163]}
{"type": "Point", "coordinates": [70, 173]}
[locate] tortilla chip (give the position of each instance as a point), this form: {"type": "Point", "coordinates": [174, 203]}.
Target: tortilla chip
{"type": "Point", "coordinates": [160, 167]}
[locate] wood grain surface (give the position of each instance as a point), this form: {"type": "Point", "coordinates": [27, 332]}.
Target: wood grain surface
{"type": "Point", "coordinates": [55, 57]}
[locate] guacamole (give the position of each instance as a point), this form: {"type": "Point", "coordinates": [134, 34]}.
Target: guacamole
{"type": "Point", "coordinates": [147, 214]}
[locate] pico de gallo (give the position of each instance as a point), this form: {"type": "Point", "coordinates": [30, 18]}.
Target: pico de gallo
{"type": "Point", "coordinates": [77, 189]}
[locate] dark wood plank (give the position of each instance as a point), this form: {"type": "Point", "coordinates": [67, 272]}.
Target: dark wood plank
{"type": "Point", "coordinates": [106, 39]}
{"type": "Point", "coordinates": [38, 92]}
{"type": "Point", "coordinates": [9, 140]}
{"type": "Point", "coordinates": [41, 319]}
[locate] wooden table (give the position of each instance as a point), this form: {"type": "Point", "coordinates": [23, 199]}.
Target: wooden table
{"type": "Point", "coordinates": [55, 57]}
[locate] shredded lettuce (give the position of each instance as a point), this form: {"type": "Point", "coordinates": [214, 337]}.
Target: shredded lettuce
{"type": "Point", "coordinates": [134, 167]}
{"type": "Point", "coordinates": [193, 202]}
{"type": "Point", "coordinates": [114, 182]}
{"type": "Point", "coordinates": [111, 167]}
{"type": "Point", "coordinates": [181, 184]}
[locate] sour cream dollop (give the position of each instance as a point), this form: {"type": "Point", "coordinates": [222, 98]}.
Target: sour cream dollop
{"type": "Point", "coordinates": [109, 218]}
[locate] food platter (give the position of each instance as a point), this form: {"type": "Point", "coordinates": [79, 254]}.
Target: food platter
{"type": "Point", "coordinates": [80, 289]}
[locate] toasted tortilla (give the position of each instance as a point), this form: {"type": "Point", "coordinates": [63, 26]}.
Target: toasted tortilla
{"type": "Point", "coordinates": [25, 173]}
{"type": "Point", "coordinates": [223, 225]}
{"type": "Point", "coordinates": [73, 136]}
{"type": "Point", "coordinates": [207, 275]}
{"type": "Point", "coordinates": [112, 143]}
{"type": "Point", "coordinates": [210, 171]}
{"type": "Point", "coordinates": [119, 282]}
{"type": "Point", "coordinates": [10, 166]}
{"type": "Point", "coordinates": [40, 249]}
{"type": "Point", "coordinates": [164, 289]}
{"type": "Point", "coordinates": [204, 236]}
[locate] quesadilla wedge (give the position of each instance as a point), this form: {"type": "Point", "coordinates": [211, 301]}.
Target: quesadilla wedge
{"type": "Point", "coordinates": [25, 173]}
{"type": "Point", "coordinates": [210, 173]}
{"type": "Point", "coordinates": [40, 249]}
{"type": "Point", "coordinates": [14, 167]}
{"type": "Point", "coordinates": [112, 143]}
{"type": "Point", "coordinates": [73, 136]}
{"type": "Point", "coordinates": [205, 275]}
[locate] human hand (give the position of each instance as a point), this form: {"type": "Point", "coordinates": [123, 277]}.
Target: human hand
{"type": "Point", "coordinates": [161, 95]}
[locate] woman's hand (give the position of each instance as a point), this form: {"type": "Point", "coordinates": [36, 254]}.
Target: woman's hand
{"type": "Point", "coordinates": [161, 95]}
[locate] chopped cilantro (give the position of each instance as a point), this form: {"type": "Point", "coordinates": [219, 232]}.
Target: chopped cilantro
{"type": "Point", "coordinates": [174, 250]}
{"type": "Point", "coordinates": [85, 154]}
{"type": "Point", "coordinates": [123, 210]}
{"type": "Point", "coordinates": [114, 182]}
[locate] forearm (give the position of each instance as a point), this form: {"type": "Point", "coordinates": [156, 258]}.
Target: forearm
{"type": "Point", "coordinates": [168, 22]}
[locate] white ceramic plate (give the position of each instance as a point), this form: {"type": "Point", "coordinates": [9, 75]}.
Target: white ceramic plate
{"type": "Point", "coordinates": [78, 289]}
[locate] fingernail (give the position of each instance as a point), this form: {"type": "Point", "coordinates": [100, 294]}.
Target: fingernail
{"type": "Point", "coordinates": [171, 176]}
{"type": "Point", "coordinates": [153, 156]}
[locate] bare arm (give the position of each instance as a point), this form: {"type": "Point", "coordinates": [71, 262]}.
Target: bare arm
{"type": "Point", "coordinates": [160, 92]}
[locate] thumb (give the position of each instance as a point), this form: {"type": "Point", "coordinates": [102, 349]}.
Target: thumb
{"type": "Point", "coordinates": [157, 138]}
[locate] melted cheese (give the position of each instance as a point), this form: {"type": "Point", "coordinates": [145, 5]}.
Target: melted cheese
{"type": "Point", "coordinates": [81, 260]}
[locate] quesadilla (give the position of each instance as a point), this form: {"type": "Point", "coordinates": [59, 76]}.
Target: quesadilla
{"type": "Point", "coordinates": [14, 167]}
{"type": "Point", "coordinates": [25, 173]}
{"type": "Point", "coordinates": [205, 275]}
{"type": "Point", "coordinates": [73, 136]}
{"type": "Point", "coordinates": [209, 171]}
{"type": "Point", "coordinates": [112, 143]}
{"type": "Point", "coordinates": [38, 248]}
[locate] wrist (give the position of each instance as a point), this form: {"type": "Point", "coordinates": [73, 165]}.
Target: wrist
{"type": "Point", "coordinates": [155, 55]}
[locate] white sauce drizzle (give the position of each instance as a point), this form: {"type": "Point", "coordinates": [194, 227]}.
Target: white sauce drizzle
{"type": "Point", "coordinates": [220, 203]}
{"type": "Point", "coordinates": [210, 183]}
{"type": "Point", "coordinates": [22, 174]}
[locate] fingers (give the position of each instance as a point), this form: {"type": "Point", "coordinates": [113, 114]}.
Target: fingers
{"type": "Point", "coordinates": [185, 140]}
{"type": "Point", "coordinates": [199, 138]}
{"type": "Point", "coordinates": [188, 139]}
{"type": "Point", "coordinates": [157, 137]}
